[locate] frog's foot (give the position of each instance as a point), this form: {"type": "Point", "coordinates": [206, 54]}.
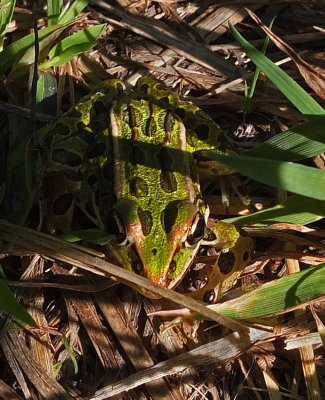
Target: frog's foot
{"type": "Point", "coordinates": [236, 249]}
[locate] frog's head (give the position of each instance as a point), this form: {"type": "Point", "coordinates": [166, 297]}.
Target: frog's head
{"type": "Point", "coordinates": [158, 244]}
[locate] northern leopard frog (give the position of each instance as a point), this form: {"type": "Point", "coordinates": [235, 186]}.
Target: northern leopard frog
{"type": "Point", "coordinates": [128, 162]}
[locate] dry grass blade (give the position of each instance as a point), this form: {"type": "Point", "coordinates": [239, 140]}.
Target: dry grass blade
{"type": "Point", "coordinates": [313, 77]}
{"type": "Point", "coordinates": [79, 257]}
{"type": "Point", "coordinates": [221, 351]}
{"type": "Point", "coordinates": [162, 33]}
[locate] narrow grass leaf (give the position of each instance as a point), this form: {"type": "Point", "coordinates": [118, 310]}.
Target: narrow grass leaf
{"type": "Point", "coordinates": [296, 178]}
{"type": "Point", "coordinates": [54, 8]}
{"type": "Point", "coordinates": [94, 235]}
{"type": "Point", "coordinates": [293, 92]}
{"type": "Point", "coordinates": [302, 141]}
{"type": "Point", "coordinates": [71, 355]}
{"type": "Point", "coordinates": [11, 52]}
{"type": "Point", "coordinates": [291, 290]}
{"type": "Point", "coordinates": [10, 305]}
{"type": "Point", "coordinates": [295, 210]}
{"type": "Point", "coordinates": [7, 8]}
{"type": "Point", "coordinates": [73, 11]}
{"type": "Point", "coordinates": [72, 46]}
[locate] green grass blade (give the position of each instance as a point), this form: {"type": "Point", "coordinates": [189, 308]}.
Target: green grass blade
{"type": "Point", "coordinates": [72, 46]}
{"type": "Point", "coordinates": [7, 8]}
{"type": "Point", "coordinates": [73, 11]}
{"type": "Point", "coordinates": [302, 141]}
{"type": "Point", "coordinates": [293, 92]}
{"type": "Point", "coordinates": [10, 305]}
{"type": "Point", "coordinates": [296, 178]}
{"type": "Point", "coordinates": [295, 210]}
{"type": "Point", "coordinates": [291, 290]}
{"type": "Point", "coordinates": [92, 235]}
{"type": "Point", "coordinates": [54, 8]}
{"type": "Point", "coordinates": [14, 50]}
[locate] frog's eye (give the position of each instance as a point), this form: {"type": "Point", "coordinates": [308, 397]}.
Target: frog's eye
{"type": "Point", "coordinates": [197, 230]}
{"type": "Point", "coordinates": [115, 227]}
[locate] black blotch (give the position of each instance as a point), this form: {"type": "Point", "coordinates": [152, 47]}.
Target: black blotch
{"type": "Point", "coordinates": [62, 204]}
{"type": "Point", "coordinates": [168, 181]}
{"type": "Point", "coordinates": [246, 256]}
{"type": "Point", "coordinates": [137, 267]}
{"type": "Point", "coordinates": [169, 122]}
{"type": "Point", "coordinates": [226, 262]}
{"type": "Point", "coordinates": [209, 296]}
{"type": "Point", "coordinates": [151, 127]}
{"type": "Point", "coordinates": [85, 134]}
{"type": "Point", "coordinates": [137, 156]}
{"type": "Point", "coordinates": [144, 88]}
{"type": "Point", "coordinates": [164, 99]}
{"type": "Point", "coordinates": [169, 216]}
{"type": "Point", "coordinates": [138, 187]}
{"type": "Point", "coordinates": [92, 179]}
{"type": "Point", "coordinates": [145, 218]}
{"type": "Point", "coordinates": [154, 252]}
{"type": "Point", "coordinates": [74, 113]}
{"type": "Point", "coordinates": [164, 159]}
{"type": "Point", "coordinates": [172, 266]}
{"type": "Point", "coordinates": [202, 131]}
{"type": "Point", "coordinates": [74, 176]}
{"type": "Point", "coordinates": [61, 129]}
{"type": "Point", "coordinates": [99, 107]}
{"type": "Point", "coordinates": [96, 150]}
{"type": "Point", "coordinates": [66, 157]}
{"type": "Point", "coordinates": [180, 112]}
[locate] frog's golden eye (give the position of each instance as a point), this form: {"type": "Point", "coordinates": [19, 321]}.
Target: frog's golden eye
{"type": "Point", "coordinates": [115, 227]}
{"type": "Point", "coordinates": [197, 230]}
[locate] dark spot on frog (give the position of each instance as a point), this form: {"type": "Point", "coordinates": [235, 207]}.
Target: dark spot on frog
{"type": "Point", "coordinates": [85, 134]}
{"type": "Point", "coordinates": [74, 176]}
{"type": "Point", "coordinates": [96, 150]}
{"type": "Point", "coordinates": [138, 187]}
{"type": "Point", "coordinates": [144, 88]}
{"type": "Point", "coordinates": [168, 181]}
{"type": "Point", "coordinates": [209, 296]}
{"type": "Point", "coordinates": [172, 266]}
{"type": "Point", "coordinates": [92, 179]}
{"type": "Point", "coordinates": [169, 123]}
{"type": "Point", "coordinates": [180, 112]}
{"type": "Point", "coordinates": [168, 217]}
{"type": "Point", "coordinates": [99, 107]}
{"type": "Point", "coordinates": [202, 131]}
{"type": "Point", "coordinates": [246, 256]}
{"type": "Point", "coordinates": [165, 160]}
{"type": "Point", "coordinates": [73, 113]}
{"type": "Point", "coordinates": [145, 218]}
{"type": "Point", "coordinates": [154, 252]}
{"type": "Point", "coordinates": [226, 262]}
{"type": "Point", "coordinates": [161, 86]}
{"type": "Point", "coordinates": [164, 99]}
{"type": "Point", "coordinates": [65, 157]}
{"type": "Point", "coordinates": [151, 127]}
{"type": "Point", "coordinates": [137, 156]}
{"type": "Point", "coordinates": [137, 267]}
{"type": "Point", "coordinates": [61, 129]}
{"type": "Point", "coordinates": [62, 204]}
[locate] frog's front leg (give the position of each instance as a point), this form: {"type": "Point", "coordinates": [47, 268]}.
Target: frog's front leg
{"type": "Point", "coordinates": [235, 254]}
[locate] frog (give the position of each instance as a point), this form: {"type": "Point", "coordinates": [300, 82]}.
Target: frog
{"type": "Point", "coordinates": [129, 162]}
